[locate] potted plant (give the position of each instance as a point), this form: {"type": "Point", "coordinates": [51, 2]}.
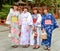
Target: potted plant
{"type": "Point", "coordinates": [2, 18]}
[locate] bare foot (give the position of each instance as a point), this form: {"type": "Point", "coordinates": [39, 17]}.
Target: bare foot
{"type": "Point", "coordinates": [34, 47]}
{"type": "Point", "coordinates": [37, 47]}
{"type": "Point", "coordinates": [25, 46]}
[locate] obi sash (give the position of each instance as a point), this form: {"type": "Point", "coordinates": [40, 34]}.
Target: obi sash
{"type": "Point", "coordinates": [34, 20]}
{"type": "Point", "coordinates": [48, 22]}
{"type": "Point", "coordinates": [14, 19]}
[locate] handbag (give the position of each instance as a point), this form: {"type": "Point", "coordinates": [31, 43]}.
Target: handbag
{"type": "Point", "coordinates": [9, 35]}
{"type": "Point", "coordinates": [8, 22]}
{"type": "Point", "coordinates": [43, 35]}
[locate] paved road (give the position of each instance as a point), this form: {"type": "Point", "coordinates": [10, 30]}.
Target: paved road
{"type": "Point", "coordinates": [5, 41]}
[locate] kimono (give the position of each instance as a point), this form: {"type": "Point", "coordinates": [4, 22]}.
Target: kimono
{"type": "Point", "coordinates": [49, 24]}
{"type": "Point", "coordinates": [36, 23]}
{"type": "Point", "coordinates": [25, 22]}
{"type": "Point", "coordinates": [13, 21]}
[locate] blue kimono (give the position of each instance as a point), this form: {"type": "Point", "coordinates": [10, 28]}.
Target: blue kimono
{"type": "Point", "coordinates": [49, 24]}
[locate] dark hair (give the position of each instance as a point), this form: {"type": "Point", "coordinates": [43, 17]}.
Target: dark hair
{"type": "Point", "coordinates": [34, 8]}
{"type": "Point", "coordinates": [40, 8]}
{"type": "Point", "coordinates": [25, 7]}
{"type": "Point", "coordinates": [46, 8]}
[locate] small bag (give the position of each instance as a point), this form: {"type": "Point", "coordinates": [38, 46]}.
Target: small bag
{"type": "Point", "coordinates": [43, 35]}
{"type": "Point", "coordinates": [8, 22]}
{"type": "Point", "coordinates": [9, 35]}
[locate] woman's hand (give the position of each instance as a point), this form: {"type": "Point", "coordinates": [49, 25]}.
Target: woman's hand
{"type": "Point", "coordinates": [34, 28]}
{"type": "Point", "coordinates": [35, 35]}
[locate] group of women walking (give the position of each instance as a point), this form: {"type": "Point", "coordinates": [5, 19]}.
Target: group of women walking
{"type": "Point", "coordinates": [26, 27]}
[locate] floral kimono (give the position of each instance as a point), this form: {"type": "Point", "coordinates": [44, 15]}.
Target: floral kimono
{"type": "Point", "coordinates": [13, 20]}
{"type": "Point", "coordinates": [25, 22]}
{"type": "Point", "coordinates": [37, 24]}
{"type": "Point", "coordinates": [49, 24]}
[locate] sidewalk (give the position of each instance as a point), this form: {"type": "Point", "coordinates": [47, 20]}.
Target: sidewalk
{"type": "Point", "coordinates": [5, 41]}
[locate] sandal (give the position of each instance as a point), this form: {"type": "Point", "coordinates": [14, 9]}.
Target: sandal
{"type": "Point", "coordinates": [27, 46]}
{"type": "Point", "coordinates": [49, 49]}
{"type": "Point", "coordinates": [37, 47]}
{"type": "Point", "coordinates": [45, 48]}
{"type": "Point", "coordinates": [15, 46]}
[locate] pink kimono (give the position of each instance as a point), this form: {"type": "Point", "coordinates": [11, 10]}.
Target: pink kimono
{"type": "Point", "coordinates": [25, 22]}
{"type": "Point", "coordinates": [14, 23]}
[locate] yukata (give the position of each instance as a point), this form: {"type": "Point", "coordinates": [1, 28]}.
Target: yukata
{"type": "Point", "coordinates": [36, 23]}
{"type": "Point", "coordinates": [25, 22]}
{"type": "Point", "coordinates": [49, 24]}
{"type": "Point", "coordinates": [13, 19]}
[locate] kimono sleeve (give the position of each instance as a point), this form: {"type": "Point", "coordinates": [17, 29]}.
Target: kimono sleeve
{"type": "Point", "coordinates": [8, 20]}
{"type": "Point", "coordinates": [54, 22]}
{"type": "Point", "coordinates": [20, 19]}
{"type": "Point", "coordinates": [30, 20]}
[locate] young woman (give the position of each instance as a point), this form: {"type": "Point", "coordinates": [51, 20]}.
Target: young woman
{"type": "Point", "coordinates": [25, 22]}
{"type": "Point", "coordinates": [36, 28]}
{"type": "Point", "coordinates": [48, 25]}
{"type": "Point", "coordinates": [13, 19]}
{"type": "Point", "coordinates": [20, 11]}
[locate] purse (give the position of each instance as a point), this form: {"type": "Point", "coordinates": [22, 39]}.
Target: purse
{"type": "Point", "coordinates": [9, 35]}
{"type": "Point", "coordinates": [43, 35]}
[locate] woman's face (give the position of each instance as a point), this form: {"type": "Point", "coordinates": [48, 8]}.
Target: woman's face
{"type": "Point", "coordinates": [45, 11]}
{"type": "Point", "coordinates": [25, 10]}
{"type": "Point", "coordinates": [35, 11]}
{"type": "Point", "coordinates": [15, 7]}
{"type": "Point", "coordinates": [19, 8]}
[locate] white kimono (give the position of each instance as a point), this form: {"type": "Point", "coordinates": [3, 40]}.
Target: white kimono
{"type": "Point", "coordinates": [25, 22]}
{"type": "Point", "coordinates": [38, 25]}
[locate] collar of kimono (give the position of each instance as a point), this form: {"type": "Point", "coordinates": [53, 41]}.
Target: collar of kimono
{"type": "Point", "coordinates": [24, 12]}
